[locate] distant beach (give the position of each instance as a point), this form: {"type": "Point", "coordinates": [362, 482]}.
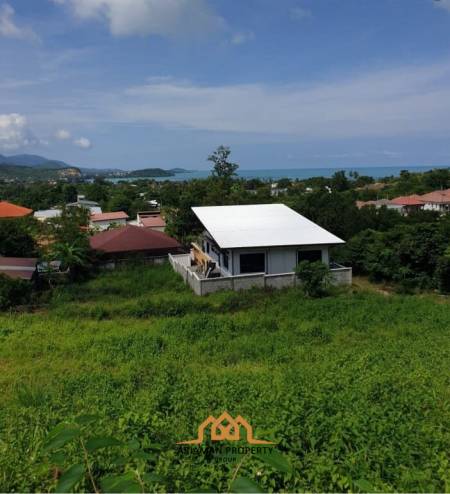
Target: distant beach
{"type": "Point", "coordinates": [295, 173]}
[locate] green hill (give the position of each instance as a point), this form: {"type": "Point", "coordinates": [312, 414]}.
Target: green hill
{"type": "Point", "coordinates": [352, 388]}
{"type": "Point", "coordinates": [151, 172]}
{"type": "Point", "coordinates": [25, 173]}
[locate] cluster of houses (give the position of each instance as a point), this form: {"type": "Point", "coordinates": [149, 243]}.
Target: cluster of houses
{"type": "Point", "coordinates": [114, 237]}
{"type": "Point", "coordinates": [438, 200]}
{"type": "Point", "coordinates": [241, 246]}
{"type": "Point", "coordinates": [100, 221]}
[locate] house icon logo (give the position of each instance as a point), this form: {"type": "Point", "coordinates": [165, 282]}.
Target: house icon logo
{"type": "Point", "coordinates": [225, 428]}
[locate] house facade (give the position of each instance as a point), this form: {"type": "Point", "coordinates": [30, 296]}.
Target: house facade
{"type": "Point", "coordinates": [254, 245]}
{"type": "Point", "coordinates": [152, 220]}
{"type": "Point", "coordinates": [104, 221]}
{"type": "Point", "coordinates": [269, 260]}
{"type": "Point", "coordinates": [438, 200]}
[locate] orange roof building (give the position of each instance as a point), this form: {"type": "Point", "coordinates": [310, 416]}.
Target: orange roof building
{"type": "Point", "coordinates": [437, 197]}
{"type": "Point", "coordinates": [9, 210]}
{"type": "Point", "coordinates": [413, 200]}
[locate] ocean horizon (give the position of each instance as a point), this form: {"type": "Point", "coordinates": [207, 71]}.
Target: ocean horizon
{"type": "Point", "coordinates": [295, 173]}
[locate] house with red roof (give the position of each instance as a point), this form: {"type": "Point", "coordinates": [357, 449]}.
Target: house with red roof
{"type": "Point", "coordinates": [23, 268]}
{"type": "Point", "coordinates": [408, 204]}
{"type": "Point", "coordinates": [151, 220]}
{"type": "Point", "coordinates": [129, 242]}
{"type": "Point", "coordinates": [439, 200]}
{"type": "Point", "coordinates": [10, 210]}
{"type": "Point", "coordinates": [379, 203]}
{"type": "Point", "coordinates": [103, 221]}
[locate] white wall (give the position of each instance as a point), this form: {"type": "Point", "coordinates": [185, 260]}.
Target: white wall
{"type": "Point", "coordinates": [105, 224]}
{"type": "Point", "coordinates": [278, 259]}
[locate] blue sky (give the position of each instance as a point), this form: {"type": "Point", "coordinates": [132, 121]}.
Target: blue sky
{"type": "Point", "coordinates": [284, 83]}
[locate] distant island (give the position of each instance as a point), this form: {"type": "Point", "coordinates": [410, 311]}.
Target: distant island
{"type": "Point", "coordinates": [24, 167]}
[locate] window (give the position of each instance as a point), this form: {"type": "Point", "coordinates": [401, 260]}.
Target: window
{"type": "Point", "coordinates": [207, 247]}
{"type": "Point", "coordinates": [253, 263]}
{"type": "Point", "coordinates": [225, 260]}
{"type": "Point", "coordinates": [309, 255]}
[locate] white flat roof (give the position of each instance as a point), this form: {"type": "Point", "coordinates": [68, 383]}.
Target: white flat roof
{"type": "Point", "coordinates": [261, 225]}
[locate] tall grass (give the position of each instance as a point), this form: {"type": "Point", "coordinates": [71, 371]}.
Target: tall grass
{"type": "Point", "coordinates": [352, 387]}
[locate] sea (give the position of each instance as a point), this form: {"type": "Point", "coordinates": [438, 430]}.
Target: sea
{"type": "Point", "coordinates": [293, 173]}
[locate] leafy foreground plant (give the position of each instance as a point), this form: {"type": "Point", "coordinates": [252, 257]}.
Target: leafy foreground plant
{"type": "Point", "coordinates": [133, 461]}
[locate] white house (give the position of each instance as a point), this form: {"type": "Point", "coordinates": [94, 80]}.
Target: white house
{"type": "Point", "coordinates": [262, 238]}
{"type": "Point", "coordinates": [439, 200]}
{"type": "Point", "coordinates": [255, 245]}
{"type": "Point", "coordinates": [103, 221]}
{"type": "Point", "coordinates": [47, 214]}
{"type": "Point", "coordinates": [82, 202]}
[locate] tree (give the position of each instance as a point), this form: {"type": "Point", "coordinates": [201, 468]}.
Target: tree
{"type": "Point", "coordinates": [443, 272]}
{"type": "Point", "coordinates": [222, 167]}
{"type": "Point", "coordinates": [339, 181]}
{"type": "Point", "coordinates": [314, 276]}
{"type": "Point", "coordinates": [16, 238]}
{"type": "Point", "coordinates": [13, 292]}
{"type": "Point", "coordinates": [73, 256]}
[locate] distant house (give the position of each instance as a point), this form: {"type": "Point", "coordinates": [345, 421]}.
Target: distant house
{"type": "Point", "coordinates": [254, 245]}
{"type": "Point", "coordinates": [103, 221]}
{"type": "Point", "coordinates": [409, 204]}
{"type": "Point", "coordinates": [153, 221]}
{"type": "Point", "coordinates": [275, 191]}
{"type": "Point", "coordinates": [47, 214]}
{"type": "Point", "coordinates": [379, 203]}
{"type": "Point", "coordinates": [82, 202]}
{"type": "Point", "coordinates": [10, 210]}
{"type": "Point", "coordinates": [128, 242]}
{"type": "Point", "coordinates": [24, 268]}
{"type": "Point", "coordinates": [438, 200]}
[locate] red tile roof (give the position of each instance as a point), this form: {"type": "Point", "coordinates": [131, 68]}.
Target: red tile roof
{"type": "Point", "coordinates": [413, 200]}
{"type": "Point", "coordinates": [117, 215]}
{"type": "Point", "coordinates": [9, 210]}
{"type": "Point", "coordinates": [153, 221]}
{"type": "Point", "coordinates": [18, 267]}
{"type": "Point", "coordinates": [437, 197]}
{"type": "Point", "coordinates": [132, 239]}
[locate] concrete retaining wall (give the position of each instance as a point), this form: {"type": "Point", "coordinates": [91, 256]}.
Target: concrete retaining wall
{"type": "Point", "coordinates": [203, 286]}
{"type": "Point", "coordinates": [342, 276]}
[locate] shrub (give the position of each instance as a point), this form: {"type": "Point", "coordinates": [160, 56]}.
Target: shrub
{"type": "Point", "coordinates": [13, 292]}
{"type": "Point", "coordinates": [443, 274]}
{"type": "Point", "coordinates": [315, 277]}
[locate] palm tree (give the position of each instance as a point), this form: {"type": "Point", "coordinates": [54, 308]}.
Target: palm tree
{"type": "Point", "coordinates": [73, 256]}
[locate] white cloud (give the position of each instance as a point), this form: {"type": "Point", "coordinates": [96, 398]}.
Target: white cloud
{"type": "Point", "coordinates": [299, 13]}
{"type": "Point", "coordinates": [83, 143]}
{"type": "Point", "coordinates": [240, 38]}
{"type": "Point", "coordinates": [9, 29]}
{"type": "Point", "coordinates": [14, 132]}
{"type": "Point", "coordinates": [62, 134]}
{"type": "Point", "coordinates": [149, 17]}
{"type": "Point", "coordinates": [443, 4]}
{"type": "Point", "coordinates": [404, 101]}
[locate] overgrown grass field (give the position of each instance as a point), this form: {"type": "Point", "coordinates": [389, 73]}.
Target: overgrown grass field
{"type": "Point", "coordinates": [354, 388]}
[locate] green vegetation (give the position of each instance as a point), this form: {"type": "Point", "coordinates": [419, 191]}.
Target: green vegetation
{"type": "Point", "coordinates": [16, 237]}
{"type": "Point", "coordinates": [13, 292]}
{"type": "Point", "coordinates": [314, 276]}
{"type": "Point", "coordinates": [151, 172]}
{"type": "Point", "coordinates": [353, 388]}
{"type": "Point", "coordinates": [18, 172]}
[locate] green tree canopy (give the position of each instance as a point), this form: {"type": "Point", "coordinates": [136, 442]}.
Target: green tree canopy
{"type": "Point", "coordinates": [222, 167]}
